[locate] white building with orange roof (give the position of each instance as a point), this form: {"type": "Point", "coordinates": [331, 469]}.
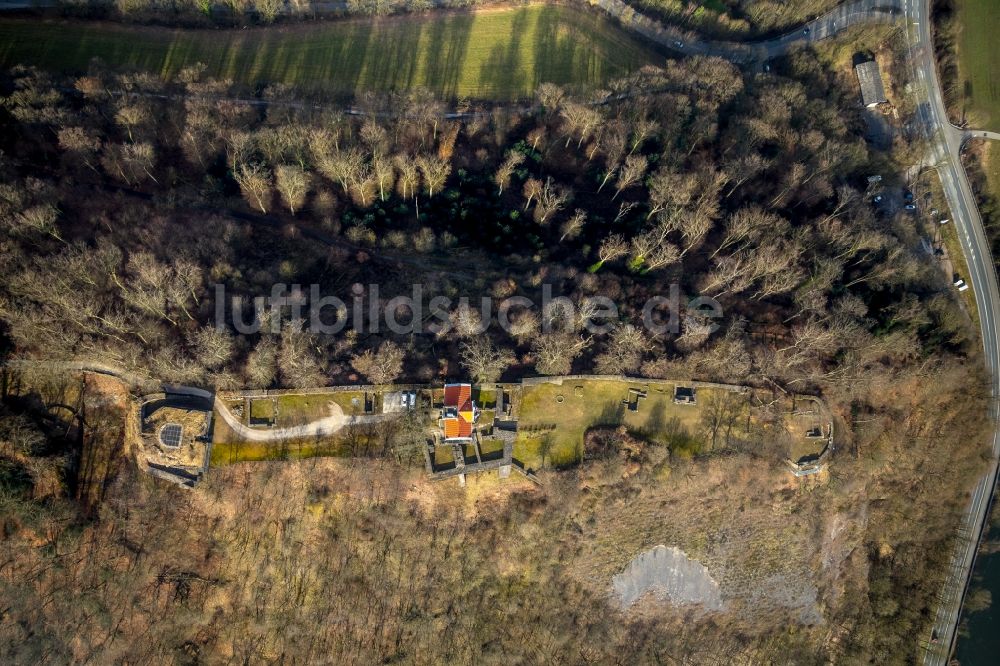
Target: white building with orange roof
{"type": "Point", "coordinates": [459, 415]}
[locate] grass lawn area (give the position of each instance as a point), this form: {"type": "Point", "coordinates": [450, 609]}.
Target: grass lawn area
{"type": "Point", "coordinates": [262, 408]}
{"type": "Point", "coordinates": [551, 432]}
{"type": "Point", "coordinates": [486, 418]}
{"type": "Point", "coordinates": [488, 447]}
{"type": "Point", "coordinates": [484, 399]}
{"type": "Point", "coordinates": [443, 455]}
{"type": "Point", "coordinates": [495, 54]}
{"type": "Point", "coordinates": [233, 451]}
{"type": "Point", "coordinates": [803, 447]}
{"type": "Point", "coordinates": [992, 167]}
{"type": "Point", "coordinates": [300, 409]}
{"type": "Point", "coordinates": [979, 61]}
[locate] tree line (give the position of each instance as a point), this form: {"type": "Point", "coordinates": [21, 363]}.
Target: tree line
{"type": "Point", "coordinates": [121, 212]}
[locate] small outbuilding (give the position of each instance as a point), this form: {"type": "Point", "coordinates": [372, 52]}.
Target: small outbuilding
{"type": "Point", "coordinates": [870, 79]}
{"type": "Point", "coordinates": [685, 395]}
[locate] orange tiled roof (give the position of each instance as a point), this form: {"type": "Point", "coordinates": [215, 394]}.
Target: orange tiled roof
{"type": "Point", "coordinates": [454, 426]}
{"type": "Point", "coordinates": [450, 428]}
{"type": "Point", "coordinates": [459, 398]}
{"type": "Point", "coordinates": [457, 395]}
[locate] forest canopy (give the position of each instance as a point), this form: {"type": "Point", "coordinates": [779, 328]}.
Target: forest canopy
{"type": "Point", "coordinates": [127, 199]}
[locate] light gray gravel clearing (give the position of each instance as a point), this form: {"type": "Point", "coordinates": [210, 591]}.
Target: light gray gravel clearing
{"type": "Point", "coordinates": [670, 575]}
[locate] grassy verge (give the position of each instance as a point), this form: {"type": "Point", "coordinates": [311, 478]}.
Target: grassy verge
{"type": "Point", "coordinates": [951, 242]}
{"type": "Point", "coordinates": [236, 450]}
{"type": "Point", "coordinates": [498, 54]}
{"type": "Point", "coordinates": [949, 237]}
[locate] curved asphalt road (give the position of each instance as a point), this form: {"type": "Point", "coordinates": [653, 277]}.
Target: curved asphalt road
{"type": "Point", "coordinates": [945, 143]}
{"type": "Point", "coordinates": [684, 41]}
{"type": "Point", "coordinates": [967, 134]}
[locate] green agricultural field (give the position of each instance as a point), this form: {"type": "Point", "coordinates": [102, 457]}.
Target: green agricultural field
{"type": "Point", "coordinates": [979, 60]}
{"type": "Point", "coordinates": [496, 54]}
{"type": "Point", "coordinates": [554, 418]}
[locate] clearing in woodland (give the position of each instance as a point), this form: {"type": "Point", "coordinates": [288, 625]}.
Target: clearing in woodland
{"type": "Point", "coordinates": [496, 54]}
{"type": "Point", "coordinates": [555, 417]}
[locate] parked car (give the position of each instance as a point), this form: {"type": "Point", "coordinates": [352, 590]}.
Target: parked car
{"type": "Point", "coordinates": [878, 198]}
{"type": "Point", "coordinates": [944, 221]}
{"type": "Point", "coordinates": [910, 206]}
{"type": "Point", "coordinates": [960, 283]}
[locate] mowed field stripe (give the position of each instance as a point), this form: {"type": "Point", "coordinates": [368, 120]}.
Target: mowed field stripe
{"type": "Point", "coordinates": [489, 55]}
{"type": "Point", "coordinates": [979, 60]}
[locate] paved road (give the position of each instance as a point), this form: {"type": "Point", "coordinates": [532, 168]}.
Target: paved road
{"type": "Point", "coordinates": [684, 41]}
{"type": "Point", "coordinates": [967, 134]}
{"type": "Point", "coordinates": [945, 144]}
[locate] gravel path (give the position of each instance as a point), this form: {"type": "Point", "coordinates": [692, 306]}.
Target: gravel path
{"type": "Point", "coordinates": [329, 425]}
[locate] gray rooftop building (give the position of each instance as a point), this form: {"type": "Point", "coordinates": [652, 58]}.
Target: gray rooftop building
{"type": "Point", "coordinates": [870, 78]}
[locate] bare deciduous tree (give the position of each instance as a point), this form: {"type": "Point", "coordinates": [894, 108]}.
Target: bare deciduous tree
{"type": "Point", "coordinates": [613, 247]}
{"type": "Point", "coordinates": [341, 166]}
{"type": "Point", "coordinates": [572, 227]}
{"type": "Point", "coordinates": [642, 129]}
{"type": "Point", "coordinates": [524, 325]}
{"type": "Point", "coordinates": [292, 183]}
{"type": "Point", "coordinates": [384, 174]}
{"type": "Point", "coordinates": [579, 121]}
{"type": "Point", "coordinates": [624, 352]}
{"type": "Point", "coordinates": [409, 176]}
{"type": "Point", "coordinates": [550, 96]}
{"type": "Point", "coordinates": [261, 364]}
{"type": "Point", "coordinates": [435, 172]}
{"type": "Point", "coordinates": [484, 360]}
{"type": "Point", "coordinates": [299, 363]}
{"type": "Point", "coordinates": [381, 366]}
{"type": "Point", "coordinates": [555, 351]}
{"type": "Point", "coordinates": [532, 188]}
{"type": "Point", "coordinates": [551, 199]}
{"type": "Point", "coordinates": [631, 173]}
{"type": "Point", "coordinates": [254, 180]}
{"type": "Point", "coordinates": [506, 169]}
